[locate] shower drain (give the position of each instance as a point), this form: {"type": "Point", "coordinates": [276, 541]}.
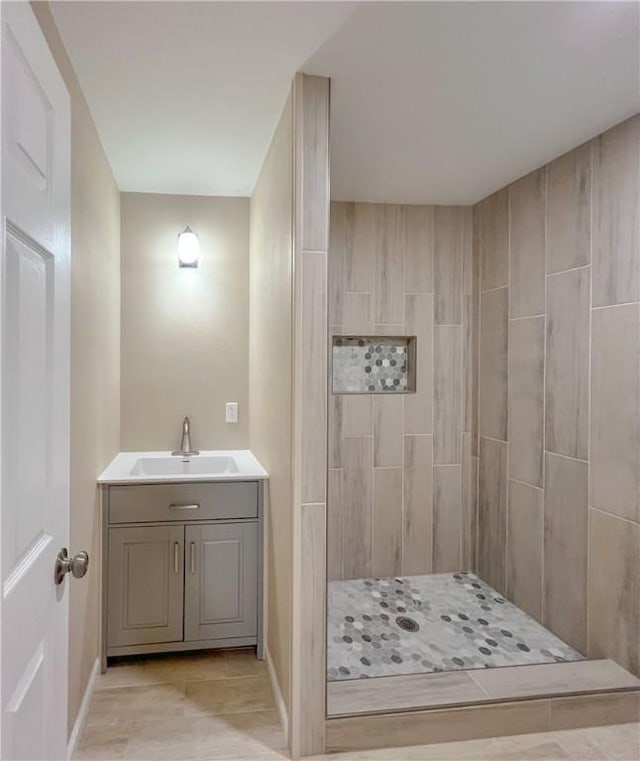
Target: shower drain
{"type": "Point", "coordinates": [408, 624]}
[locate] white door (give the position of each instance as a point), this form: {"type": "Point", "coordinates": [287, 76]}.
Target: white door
{"type": "Point", "coordinates": [34, 453]}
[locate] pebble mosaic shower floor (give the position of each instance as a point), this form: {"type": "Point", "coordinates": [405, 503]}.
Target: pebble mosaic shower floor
{"type": "Point", "coordinates": [423, 624]}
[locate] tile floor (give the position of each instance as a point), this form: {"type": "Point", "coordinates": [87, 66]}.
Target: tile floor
{"type": "Point", "coordinates": [218, 706]}
{"type": "Point", "coordinates": [424, 624]}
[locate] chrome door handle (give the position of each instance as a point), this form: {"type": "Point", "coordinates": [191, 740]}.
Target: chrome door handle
{"type": "Point", "coordinates": [176, 557]}
{"type": "Point", "coordinates": [195, 506]}
{"type": "Point", "coordinates": [77, 565]}
{"type": "Point", "coordinates": [193, 557]}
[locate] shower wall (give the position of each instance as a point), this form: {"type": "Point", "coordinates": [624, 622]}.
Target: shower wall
{"type": "Point", "coordinates": [402, 470]}
{"type": "Point", "coordinates": [559, 394]}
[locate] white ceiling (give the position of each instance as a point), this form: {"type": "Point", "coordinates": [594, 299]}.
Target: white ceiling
{"type": "Point", "coordinates": [439, 102]}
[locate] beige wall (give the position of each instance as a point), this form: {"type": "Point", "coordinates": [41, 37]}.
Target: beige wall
{"type": "Point", "coordinates": [270, 379]}
{"type": "Point", "coordinates": [401, 467]}
{"type": "Point", "coordinates": [95, 356]}
{"type": "Point", "coordinates": [185, 332]}
{"type": "Point", "coordinates": [559, 398]}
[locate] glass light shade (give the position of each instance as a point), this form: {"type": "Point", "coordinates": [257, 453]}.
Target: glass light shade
{"type": "Point", "coordinates": [188, 248]}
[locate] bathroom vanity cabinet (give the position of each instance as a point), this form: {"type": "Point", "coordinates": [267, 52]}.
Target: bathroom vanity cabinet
{"type": "Point", "coordinates": [182, 567]}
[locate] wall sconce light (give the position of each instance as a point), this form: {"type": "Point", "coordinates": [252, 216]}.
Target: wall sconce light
{"type": "Point", "coordinates": [188, 248]}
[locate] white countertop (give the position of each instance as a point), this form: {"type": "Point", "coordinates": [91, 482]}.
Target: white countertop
{"type": "Point", "coordinates": [119, 471]}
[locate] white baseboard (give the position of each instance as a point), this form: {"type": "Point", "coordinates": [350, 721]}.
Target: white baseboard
{"type": "Point", "coordinates": [81, 718]}
{"type": "Point", "coordinates": [277, 694]}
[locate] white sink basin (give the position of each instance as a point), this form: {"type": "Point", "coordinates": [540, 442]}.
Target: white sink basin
{"type": "Point", "coordinates": [178, 466]}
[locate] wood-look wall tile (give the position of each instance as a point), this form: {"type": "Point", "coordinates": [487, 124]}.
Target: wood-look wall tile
{"type": "Point", "coordinates": [418, 321]}
{"type": "Point", "coordinates": [616, 235]}
{"type": "Point", "coordinates": [494, 240]}
{"type": "Point", "coordinates": [358, 314]}
{"type": "Point", "coordinates": [387, 430]}
{"type": "Point", "coordinates": [567, 371]}
{"type": "Point", "coordinates": [475, 307]}
{"type": "Point", "coordinates": [418, 505]}
{"type": "Point", "coordinates": [313, 375]}
{"type": "Point", "coordinates": [468, 366]}
{"type": "Point", "coordinates": [524, 555]}
{"type": "Point", "coordinates": [387, 522]}
{"type": "Point", "coordinates": [335, 517]}
{"type": "Point", "coordinates": [526, 399]}
{"type": "Point", "coordinates": [493, 383]}
{"type": "Point", "coordinates": [357, 415]}
{"type": "Point", "coordinates": [418, 249]}
{"type": "Point", "coordinates": [315, 168]}
{"type": "Point", "coordinates": [447, 394]}
{"type": "Point", "coordinates": [615, 410]}
{"type": "Point", "coordinates": [492, 513]}
{"type": "Point", "coordinates": [565, 549]}
{"type": "Point", "coordinates": [594, 710]}
{"type": "Point", "coordinates": [334, 431]}
{"type": "Point", "coordinates": [387, 304]}
{"type": "Point", "coordinates": [469, 504]}
{"type": "Point", "coordinates": [469, 269]}
{"type": "Point", "coordinates": [452, 239]}
{"type": "Point", "coordinates": [340, 242]}
{"type": "Point", "coordinates": [527, 236]}
{"type": "Point", "coordinates": [358, 263]}
{"type": "Point", "coordinates": [447, 518]}
{"type": "Point", "coordinates": [614, 590]}
{"type": "Point", "coordinates": [569, 210]}
{"type": "Point", "coordinates": [357, 459]}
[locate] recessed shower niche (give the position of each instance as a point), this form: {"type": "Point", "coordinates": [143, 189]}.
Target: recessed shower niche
{"type": "Point", "coordinates": [373, 364]}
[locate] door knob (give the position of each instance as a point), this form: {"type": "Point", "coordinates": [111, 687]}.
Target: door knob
{"type": "Point", "coordinates": [77, 565]}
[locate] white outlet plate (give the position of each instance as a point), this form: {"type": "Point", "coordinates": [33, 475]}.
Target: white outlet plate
{"type": "Point", "coordinates": [231, 412]}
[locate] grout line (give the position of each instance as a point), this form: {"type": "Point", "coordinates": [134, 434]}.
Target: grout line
{"type": "Point", "coordinates": [567, 457]}
{"type": "Point", "coordinates": [544, 405]}
{"type": "Point", "coordinates": [477, 683]}
{"type": "Point", "coordinates": [526, 317]}
{"type": "Point", "coordinates": [491, 438]}
{"type": "Point", "coordinates": [507, 500]}
{"type": "Point", "coordinates": [526, 483]}
{"type": "Point", "coordinates": [571, 269]}
{"type": "Point", "coordinates": [613, 306]}
{"type": "Point", "coordinates": [589, 379]}
{"type": "Point", "coordinates": [492, 290]}
{"type": "Point", "coordinates": [613, 515]}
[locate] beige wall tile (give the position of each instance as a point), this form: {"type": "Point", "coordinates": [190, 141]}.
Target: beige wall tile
{"type": "Point", "coordinates": [358, 314]}
{"type": "Point", "coordinates": [357, 415]}
{"type": "Point", "coordinates": [469, 368]}
{"type": "Point", "coordinates": [567, 371]}
{"type": "Point", "coordinates": [526, 399]}
{"type": "Point", "coordinates": [452, 239]}
{"type": "Point", "coordinates": [447, 394]}
{"type": "Point", "coordinates": [494, 240]}
{"type": "Point", "coordinates": [469, 504]}
{"type": "Point", "coordinates": [527, 244]}
{"type": "Point", "coordinates": [565, 549]}
{"type": "Point", "coordinates": [418, 407]}
{"type": "Point", "coordinates": [387, 429]}
{"type": "Point", "coordinates": [340, 242]}
{"type": "Point", "coordinates": [615, 410]}
{"type": "Point", "coordinates": [315, 169]}
{"type": "Point", "coordinates": [335, 518]}
{"type": "Point", "coordinates": [614, 589]}
{"type": "Point", "coordinates": [417, 519]}
{"type": "Point", "coordinates": [387, 304]}
{"type": "Point", "coordinates": [616, 240]}
{"type": "Point", "coordinates": [436, 726]}
{"type": "Point", "coordinates": [569, 210]}
{"type": "Point", "coordinates": [358, 264]}
{"type": "Point", "coordinates": [357, 459]}
{"type": "Point", "coordinates": [524, 549]}
{"type": "Point", "coordinates": [492, 512]}
{"type": "Point", "coordinates": [594, 710]}
{"type": "Point", "coordinates": [492, 391]}
{"type": "Point", "coordinates": [447, 518]}
{"type": "Point", "coordinates": [313, 376]}
{"type": "Point", "coordinates": [418, 249]}
{"type": "Point", "coordinates": [334, 432]}
{"type": "Point", "coordinates": [387, 521]}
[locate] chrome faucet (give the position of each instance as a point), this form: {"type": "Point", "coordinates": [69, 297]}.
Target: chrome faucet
{"type": "Point", "coordinates": [185, 445]}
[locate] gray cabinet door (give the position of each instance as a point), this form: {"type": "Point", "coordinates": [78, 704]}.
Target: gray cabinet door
{"type": "Point", "coordinates": [221, 594]}
{"type": "Point", "coordinates": [146, 585]}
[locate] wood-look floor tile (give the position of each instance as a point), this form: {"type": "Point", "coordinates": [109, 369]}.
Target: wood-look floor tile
{"type": "Point", "coordinates": [222, 696]}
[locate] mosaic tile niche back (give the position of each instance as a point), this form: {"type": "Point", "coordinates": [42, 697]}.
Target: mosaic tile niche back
{"type": "Point", "coordinates": [373, 365]}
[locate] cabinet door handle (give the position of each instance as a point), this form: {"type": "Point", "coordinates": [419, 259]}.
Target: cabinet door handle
{"type": "Point", "coordinates": [176, 557]}
{"type": "Point", "coordinates": [184, 507]}
{"type": "Point", "coordinates": [193, 557]}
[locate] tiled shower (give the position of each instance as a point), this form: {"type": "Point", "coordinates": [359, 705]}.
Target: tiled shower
{"type": "Point", "coordinates": [492, 516]}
